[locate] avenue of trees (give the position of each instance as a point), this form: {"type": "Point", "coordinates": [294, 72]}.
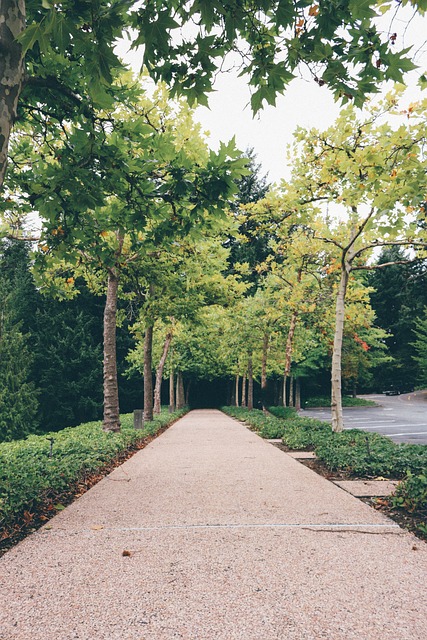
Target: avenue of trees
{"type": "Point", "coordinates": [157, 258]}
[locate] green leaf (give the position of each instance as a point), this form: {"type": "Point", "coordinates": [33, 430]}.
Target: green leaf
{"type": "Point", "coordinates": [398, 65]}
{"type": "Point", "coordinates": [361, 9]}
{"type": "Point", "coordinates": [285, 13]}
{"type": "Point", "coordinates": [61, 33]}
{"type": "Point", "coordinates": [30, 36]}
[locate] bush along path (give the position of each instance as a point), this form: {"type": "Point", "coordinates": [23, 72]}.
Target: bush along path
{"type": "Point", "coordinates": [352, 454]}
{"type": "Point", "coordinates": [40, 475]}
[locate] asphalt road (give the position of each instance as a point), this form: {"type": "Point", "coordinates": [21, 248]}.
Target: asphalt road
{"type": "Point", "coordinates": [401, 418]}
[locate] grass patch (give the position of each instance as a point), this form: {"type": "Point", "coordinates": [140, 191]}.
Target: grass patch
{"type": "Point", "coordinates": [32, 475]}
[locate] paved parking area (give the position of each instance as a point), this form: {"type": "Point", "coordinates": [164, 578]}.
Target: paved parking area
{"type": "Point", "coordinates": [401, 418]}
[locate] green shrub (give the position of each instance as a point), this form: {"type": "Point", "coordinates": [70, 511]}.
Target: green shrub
{"type": "Point", "coordinates": [411, 494]}
{"type": "Point", "coordinates": [371, 454]}
{"type": "Point", "coordinates": [283, 412]}
{"type": "Point", "coordinates": [357, 452]}
{"type": "Point", "coordinates": [298, 430]}
{"type": "Point", "coordinates": [347, 401]}
{"type": "Point", "coordinates": [28, 474]}
{"type": "Point", "coordinates": [306, 433]}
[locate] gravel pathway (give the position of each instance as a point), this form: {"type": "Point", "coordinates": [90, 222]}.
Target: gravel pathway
{"type": "Point", "coordinates": [211, 533]}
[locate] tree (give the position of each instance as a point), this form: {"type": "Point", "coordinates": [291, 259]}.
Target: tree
{"type": "Point", "coordinates": [59, 58]}
{"type": "Point", "coordinates": [420, 345]}
{"type": "Point", "coordinates": [376, 172]}
{"type": "Point", "coordinates": [18, 395]}
{"type": "Point", "coordinates": [248, 249]}
{"type": "Point", "coordinates": [115, 193]}
{"type": "Point", "coordinates": [187, 279]}
{"type": "Point", "coordinates": [338, 41]}
{"type": "Point", "coordinates": [398, 298]}
{"type": "Point", "coordinates": [69, 364]}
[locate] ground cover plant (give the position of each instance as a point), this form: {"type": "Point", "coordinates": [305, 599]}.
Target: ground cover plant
{"type": "Point", "coordinates": [347, 401]}
{"type": "Point", "coordinates": [41, 472]}
{"type": "Point", "coordinates": [355, 453]}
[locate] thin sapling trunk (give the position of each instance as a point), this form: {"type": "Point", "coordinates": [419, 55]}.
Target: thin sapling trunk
{"type": "Point", "coordinates": [159, 374]}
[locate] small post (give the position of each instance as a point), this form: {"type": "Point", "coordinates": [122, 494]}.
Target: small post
{"type": "Point", "coordinates": [171, 408]}
{"type": "Point", "coordinates": [51, 440]}
{"type": "Point", "coordinates": [138, 419]}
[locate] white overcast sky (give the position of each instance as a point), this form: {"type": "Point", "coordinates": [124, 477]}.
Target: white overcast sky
{"type": "Point", "coordinates": [304, 103]}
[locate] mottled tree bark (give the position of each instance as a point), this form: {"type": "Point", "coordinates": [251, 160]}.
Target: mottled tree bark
{"type": "Point", "coordinates": [12, 23]}
{"type": "Point", "coordinates": [265, 345]}
{"type": "Point", "coordinates": [243, 403]}
{"type": "Point", "coordinates": [250, 384]}
{"type": "Point", "coordinates": [285, 378]}
{"type": "Point", "coordinates": [289, 343]}
{"type": "Point", "coordinates": [171, 391]}
{"type": "Point", "coordinates": [291, 391]}
{"type": "Point", "coordinates": [159, 374]}
{"type": "Point", "coordinates": [236, 393]}
{"type": "Point", "coordinates": [187, 393]}
{"type": "Point", "coordinates": [111, 420]}
{"type": "Point", "coordinates": [148, 374]}
{"type": "Point", "coordinates": [336, 399]}
{"type": "Point", "coordinates": [179, 391]}
{"type": "Point", "coordinates": [298, 394]}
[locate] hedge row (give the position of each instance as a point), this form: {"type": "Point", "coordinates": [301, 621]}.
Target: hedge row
{"type": "Point", "coordinates": [34, 468]}
{"type": "Point", "coordinates": [347, 401]}
{"type": "Point", "coordinates": [357, 452]}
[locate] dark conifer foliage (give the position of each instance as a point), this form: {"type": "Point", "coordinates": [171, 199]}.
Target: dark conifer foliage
{"type": "Point", "coordinates": [398, 300]}
{"type": "Point", "coordinates": [18, 395]}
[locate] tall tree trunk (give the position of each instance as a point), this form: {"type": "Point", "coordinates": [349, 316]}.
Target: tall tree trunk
{"type": "Point", "coordinates": [291, 391]}
{"type": "Point", "coordinates": [12, 23]}
{"type": "Point", "coordinates": [171, 391]}
{"type": "Point", "coordinates": [298, 394]}
{"type": "Point", "coordinates": [179, 391]}
{"type": "Point", "coordinates": [111, 420]}
{"type": "Point", "coordinates": [243, 403]}
{"type": "Point", "coordinates": [289, 343]}
{"type": "Point", "coordinates": [278, 400]}
{"type": "Point", "coordinates": [187, 393]}
{"type": "Point", "coordinates": [159, 374]}
{"type": "Point", "coordinates": [250, 384]}
{"type": "Point", "coordinates": [336, 400]}
{"type": "Point", "coordinates": [265, 345]}
{"type": "Point", "coordinates": [236, 393]}
{"type": "Point", "coordinates": [285, 378]}
{"type": "Point", "coordinates": [148, 374]}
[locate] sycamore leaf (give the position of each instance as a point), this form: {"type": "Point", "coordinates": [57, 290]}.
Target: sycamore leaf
{"type": "Point", "coordinates": [30, 36]}
{"type": "Point", "coordinates": [361, 9]}
{"type": "Point", "coordinates": [285, 13]}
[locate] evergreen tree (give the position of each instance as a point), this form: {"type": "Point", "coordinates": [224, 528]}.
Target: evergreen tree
{"type": "Point", "coordinates": [68, 365]}
{"type": "Point", "coordinates": [63, 338]}
{"type": "Point", "coordinates": [398, 300]}
{"type": "Point", "coordinates": [420, 346]}
{"type": "Point", "coordinates": [18, 396]}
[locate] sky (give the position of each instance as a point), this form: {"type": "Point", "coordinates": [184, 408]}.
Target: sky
{"type": "Point", "coordinates": [304, 104]}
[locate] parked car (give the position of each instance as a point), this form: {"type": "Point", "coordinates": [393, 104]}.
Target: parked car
{"type": "Point", "coordinates": [392, 391]}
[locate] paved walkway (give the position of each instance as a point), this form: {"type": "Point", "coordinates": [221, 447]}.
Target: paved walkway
{"type": "Point", "coordinates": [225, 537]}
